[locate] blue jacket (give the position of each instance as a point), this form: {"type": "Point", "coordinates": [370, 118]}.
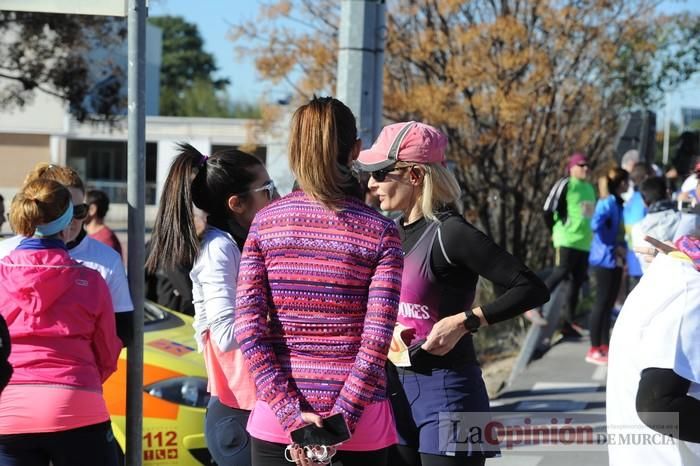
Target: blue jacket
{"type": "Point", "coordinates": [633, 212]}
{"type": "Point", "coordinates": [608, 232]}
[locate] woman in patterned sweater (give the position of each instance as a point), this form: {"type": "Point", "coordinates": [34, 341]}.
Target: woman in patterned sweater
{"type": "Point", "coordinates": [318, 293]}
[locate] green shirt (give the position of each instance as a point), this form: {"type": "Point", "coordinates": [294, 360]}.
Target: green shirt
{"type": "Point", "coordinates": [576, 232]}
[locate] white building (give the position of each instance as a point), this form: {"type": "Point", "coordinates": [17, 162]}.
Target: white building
{"type": "Point", "coordinates": [44, 132]}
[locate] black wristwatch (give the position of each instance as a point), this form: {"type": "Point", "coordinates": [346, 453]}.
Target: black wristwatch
{"type": "Point", "coordinates": [471, 322]}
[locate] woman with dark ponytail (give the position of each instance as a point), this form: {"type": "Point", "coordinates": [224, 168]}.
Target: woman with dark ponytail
{"type": "Point", "coordinates": [230, 186]}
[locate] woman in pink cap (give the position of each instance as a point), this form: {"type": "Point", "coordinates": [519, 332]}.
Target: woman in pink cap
{"type": "Point", "coordinates": [444, 256]}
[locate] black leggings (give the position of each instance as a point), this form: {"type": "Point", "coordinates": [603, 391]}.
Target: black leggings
{"type": "Point", "coordinates": [272, 454]}
{"type": "Point", "coordinates": [402, 455]}
{"type": "Point", "coordinates": [572, 265]}
{"type": "Point", "coordinates": [607, 282]}
{"type": "Point", "coordinates": [83, 446]}
{"type": "Point", "coordinates": [227, 440]}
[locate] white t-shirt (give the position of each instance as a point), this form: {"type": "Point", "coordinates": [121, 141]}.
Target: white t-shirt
{"type": "Point", "coordinates": [659, 326]}
{"type": "Point", "coordinates": [214, 275]}
{"type": "Point", "coordinates": [689, 183]}
{"type": "Point", "coordinates": [97, 256]}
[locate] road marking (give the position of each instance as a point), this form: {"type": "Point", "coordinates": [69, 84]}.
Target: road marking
{"type": "Point", "coordinates": [551, 405]}
{"type": "Point", "coordinates": [566, 387]}
{"type": "Point", "coordinates": [600, 373]}
{"type": "Point", "coordinates": [498, 403]}
{"type": "Point", "coordinates": [515, 460]}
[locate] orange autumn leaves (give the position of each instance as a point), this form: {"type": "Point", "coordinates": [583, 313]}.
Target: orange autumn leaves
{"type": "Point", "coordinates": [516, 84]}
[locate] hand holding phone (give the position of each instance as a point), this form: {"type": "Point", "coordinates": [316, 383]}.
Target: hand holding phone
{"type": "Point", "coordinates": [334, 431]}
{"type": "Point", "coordinates": [663, 247]}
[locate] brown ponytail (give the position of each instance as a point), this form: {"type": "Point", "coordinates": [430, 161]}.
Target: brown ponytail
{"type": "Point", "coordinates": [67, 176]}
{"type": "Point", "coordinates": [323, 134]}
{"type": "Point", "coordinates": [40, 201]}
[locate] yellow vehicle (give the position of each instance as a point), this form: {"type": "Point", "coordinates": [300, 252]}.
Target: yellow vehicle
{"type": "Point", "coordinates": [175, 392]}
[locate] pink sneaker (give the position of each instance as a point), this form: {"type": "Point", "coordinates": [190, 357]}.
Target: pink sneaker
{"type": "Point", "coordinates": [596, 356]}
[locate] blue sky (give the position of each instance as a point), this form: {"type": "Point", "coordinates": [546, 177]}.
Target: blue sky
{"type": "Point", "coordinates": [214, 17]}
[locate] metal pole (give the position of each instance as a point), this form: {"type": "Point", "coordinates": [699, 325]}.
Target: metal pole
{"type": "Point", "coordinates": [136, 169]}
{"type": "Point", "coordinates": [667, 130]}
{"type": "Point", "coordinates": [380, 39]}
{"type": "Point", "coordinates": [360, 63]}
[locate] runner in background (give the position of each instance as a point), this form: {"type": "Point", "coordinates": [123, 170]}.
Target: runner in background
{"type": "Point", "coordinates": [568, 210]}
{"type": "Point", "coordinates": [98, 205]}
{"type": "Point", "coordinates": [607, 258]}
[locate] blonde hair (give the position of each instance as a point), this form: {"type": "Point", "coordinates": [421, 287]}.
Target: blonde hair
{"type": "Point", "coordinates": [40, 201]}
{"type": "Point", "coordinates": [67, 176]}
{"type": "Point", "coordinates": [323, 133]}
{"type": "Point", "coordinates": [440, 189]}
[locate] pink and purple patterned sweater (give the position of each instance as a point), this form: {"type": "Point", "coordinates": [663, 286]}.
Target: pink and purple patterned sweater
{"type": "Point", "coordinates": [317, 299]}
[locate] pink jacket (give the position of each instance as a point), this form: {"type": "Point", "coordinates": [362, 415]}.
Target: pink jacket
{"type": "Point", "coordinates": [60, 318]}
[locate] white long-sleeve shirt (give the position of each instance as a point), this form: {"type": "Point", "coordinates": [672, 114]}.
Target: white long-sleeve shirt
{"type": "Point", "coordinates": [214, 275]}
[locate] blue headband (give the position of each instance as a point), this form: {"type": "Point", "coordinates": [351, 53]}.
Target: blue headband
{"type": "Point", "coordinates": [55, 226]}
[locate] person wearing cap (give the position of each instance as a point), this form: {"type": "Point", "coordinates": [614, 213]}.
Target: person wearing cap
{"type": "Point", "coordinates": [568, 210]}
{"type": "Point", "coordinates": [64, 341]}
{"type": "Point", "coordinates": [444, 256]}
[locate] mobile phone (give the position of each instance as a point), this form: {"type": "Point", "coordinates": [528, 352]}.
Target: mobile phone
{"type": "Point", "coordinates": [416, 348]}
{"type": "Point", "coordinates": [334, 431]}
{"type": "Point", "coordinates": [685, 205]}
{"type": "Point", "coordinates": [663, 247]}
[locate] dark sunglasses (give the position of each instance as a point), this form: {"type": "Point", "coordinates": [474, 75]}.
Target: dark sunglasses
{"type": "Point", "coordinates": [380, 175]}
{"type": "Point", "coordinates": [80, 211]}
{"type": "Point", "coordinates": [582, 164]}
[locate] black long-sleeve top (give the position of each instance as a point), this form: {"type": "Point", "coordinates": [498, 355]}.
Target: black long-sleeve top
{"type": "Point", "coordinates": [473, 254]}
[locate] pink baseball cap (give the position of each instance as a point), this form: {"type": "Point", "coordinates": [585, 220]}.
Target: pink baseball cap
{"type": "Point", "coordinates": [406, 142]}
{"type": "Point", "coordinates": [576, 159]}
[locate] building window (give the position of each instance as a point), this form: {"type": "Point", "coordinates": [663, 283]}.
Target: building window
{"type": "Point", "coordinates": [103, 165]}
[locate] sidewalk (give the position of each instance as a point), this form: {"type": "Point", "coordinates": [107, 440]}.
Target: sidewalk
{"type": "Point", "coordinates": [562, 382]}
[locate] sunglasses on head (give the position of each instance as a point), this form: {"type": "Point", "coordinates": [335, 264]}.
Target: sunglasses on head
{"type": "Point", "coordinates": [80, 211]}
{"type": "Point", "coordinates": [269, 187]}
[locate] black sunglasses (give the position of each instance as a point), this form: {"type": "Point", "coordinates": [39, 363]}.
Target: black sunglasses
{"type": "Point", "coordinates": [80, 211]}
{"type": "Point", "coordinates": [380, 175]}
